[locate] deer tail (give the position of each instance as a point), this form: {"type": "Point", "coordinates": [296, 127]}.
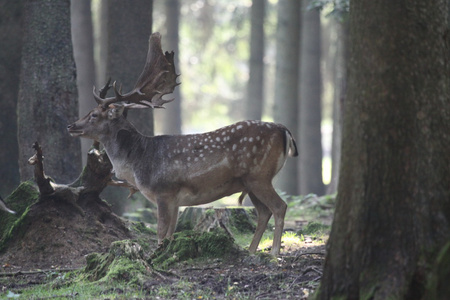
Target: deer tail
{"type": "Point", "coordinates": [291, 145]}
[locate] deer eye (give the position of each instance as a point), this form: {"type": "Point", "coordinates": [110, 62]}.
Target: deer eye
{"type": "Point", "coordinates": [94, 115]}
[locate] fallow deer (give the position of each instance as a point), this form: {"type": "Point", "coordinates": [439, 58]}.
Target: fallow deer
{"type": "Point", "coordinates": [186, 170]}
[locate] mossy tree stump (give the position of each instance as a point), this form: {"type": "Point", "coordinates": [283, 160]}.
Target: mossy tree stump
{"type": "Point", "coordinates": [58, 224]}
{"type": "Point", "coordinates": [231, 219]}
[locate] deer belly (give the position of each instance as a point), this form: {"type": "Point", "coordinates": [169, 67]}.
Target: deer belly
{"type": "Point", "coordinates": [189, 196]}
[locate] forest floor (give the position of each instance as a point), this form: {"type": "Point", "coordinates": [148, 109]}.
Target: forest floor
{"type": "Point", "coordinates": [49, 256]}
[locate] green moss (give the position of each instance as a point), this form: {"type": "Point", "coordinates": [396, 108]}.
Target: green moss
{"type": "Point", "coordinates": [140, 227]}
{"type": "Point", "coordinates": [210, 212]}
{"type": "Point", "coordinates": [241, 219]}
{"type": "Point", "coordinates": [124, 262]}
{"type": "Point", "coordinates": [188, 219]}
{"type": "Point", "coordinates": [314, 228]}
{"type": "Point", "coordinates": [188, 245]}
{"type": "Point", "coordinates": [20, 201]}
{"type": "Point", "coordinates": [214, 244]}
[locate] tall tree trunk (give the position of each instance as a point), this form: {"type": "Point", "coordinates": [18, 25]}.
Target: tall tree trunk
{"type": "Point", "coordinates": [310, 116]}
{"type": "Point", "coordinates": [11, 37]}
{"type": "Point", "coordinates": [392, 213]}
{"type": "Point", "coordinates": [100, 27]}
{"type": "Point", "coordinates": [48, 94]}
{"type": "Point", "coordinates": [129, 28]}
{"type": "Point", "coordinates": [83, 49]}
{"type": "Point", "coordinates": [255, 85]}
{"type": "Point", "coordinates": [340, 80]}
{"type": "Point", "coordinates": [286, 81]}
{"type": "Point", "coordinates": [172, 116]}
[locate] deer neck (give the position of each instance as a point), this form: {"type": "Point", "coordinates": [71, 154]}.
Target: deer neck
{"type": "Point", "coordinates": [123, 146]}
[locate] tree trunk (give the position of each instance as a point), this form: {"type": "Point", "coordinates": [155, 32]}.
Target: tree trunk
{"type": "Point", "coordinates": [83, 49]}
{"type": "Point", "coordinates": [48, 95]}
{"type": "Point", "coordinates": [340, 80]}
{"type": "Point", "coordinates": [392, 213]}
{"type": "Point", "coordinates": [255, 97]}
{"type": "Point", "coordinates": [172, 116]}
{"type": "Point", "coordinates": [286, 81]}
{"type": "Point", "coordinates": [11, 37]}
{"type": "Point", "coordinates": [310, 117]}
{"type": "Point", "coordinates": [129, 27]}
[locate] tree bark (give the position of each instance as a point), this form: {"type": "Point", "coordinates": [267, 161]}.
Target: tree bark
{"type": "Point", "coordinates": [172, 117]}
{"type": "Point", "coordinates": [129, 27]}
{"type": "Point", "coordinates": [286, 81]}
{"type": "Point", "coordinates": [340, 81]}
{"type": "Point", "coordinates": [83, 49]}
{"type": "Point", "coordinates": [255, 85]}
{"type": "Point", "coordinates": [392, 213]}
{"type": "Point", "coordinates": [310, 112]}
{"type": "Point", "coordinates": [11, 37]}
{"type": "Point", "coordinates": [48, 95]}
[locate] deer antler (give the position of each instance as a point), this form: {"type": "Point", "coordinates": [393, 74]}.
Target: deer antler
{"type": "Point", "coordinates": [156, 80]}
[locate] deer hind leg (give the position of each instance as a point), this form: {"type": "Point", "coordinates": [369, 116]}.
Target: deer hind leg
{"type": "Point", "coordinates": [167, 219]}
{"type": "Point", "coordinates": [264, 215]}
{"type": "Point", "coordinates": [267, 195]}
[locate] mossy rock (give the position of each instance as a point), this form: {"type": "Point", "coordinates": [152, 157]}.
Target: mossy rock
{"type": "Point", "coordinates": [20, 201]}
{"type": "Point", "coordinates": [124, 262]}
{"type": "Point", "coordinates": [187, 245]}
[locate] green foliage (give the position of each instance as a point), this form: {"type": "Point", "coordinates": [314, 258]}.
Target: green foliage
{"type": "Point", "coordinates": [336, 8]}
{"type": "Point", "coordinates": [214, 54]}
{"type": "Point", "coordinates": [20, 201]}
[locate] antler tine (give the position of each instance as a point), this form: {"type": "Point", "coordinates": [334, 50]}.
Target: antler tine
{"type": "Point", "coordinates": [158, 78]}
{"type": "Point", "coordinates": [100, 96]}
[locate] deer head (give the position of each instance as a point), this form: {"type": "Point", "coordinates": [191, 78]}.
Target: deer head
{"type": "Point", "coordinates": [156, 80]}
{"type": "Point", "coordinates": [184, 170]}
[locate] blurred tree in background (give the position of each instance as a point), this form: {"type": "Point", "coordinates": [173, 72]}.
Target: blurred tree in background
{"type": "Point", "coordinates": [47, 99]}
{"type": "Point", "coordinates": [215, 51]}
{"type": "Point", "coordinates": [309, 109]}
{"type": "Point", "coordinates": [10, 54]}
{"type": "Point", "coordinates": [286, 82]}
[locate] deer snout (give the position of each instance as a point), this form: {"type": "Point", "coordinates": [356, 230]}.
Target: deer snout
{"type": "Point", "coordinates": [73, 131]}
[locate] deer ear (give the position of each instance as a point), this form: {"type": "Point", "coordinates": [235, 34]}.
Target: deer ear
{"type": "Point", "coordinates": [115, 111]}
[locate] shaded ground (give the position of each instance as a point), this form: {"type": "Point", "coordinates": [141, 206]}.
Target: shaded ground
{"type": "Point", "coordinates": [54, 236]}
{"type": "Point", "coordinates": [294, 276]}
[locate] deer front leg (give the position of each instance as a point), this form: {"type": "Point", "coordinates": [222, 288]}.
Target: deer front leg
{"type": "Point", "coordinates": [173, 221]}
{"type": "Point", "coordinates": [167, 219]}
